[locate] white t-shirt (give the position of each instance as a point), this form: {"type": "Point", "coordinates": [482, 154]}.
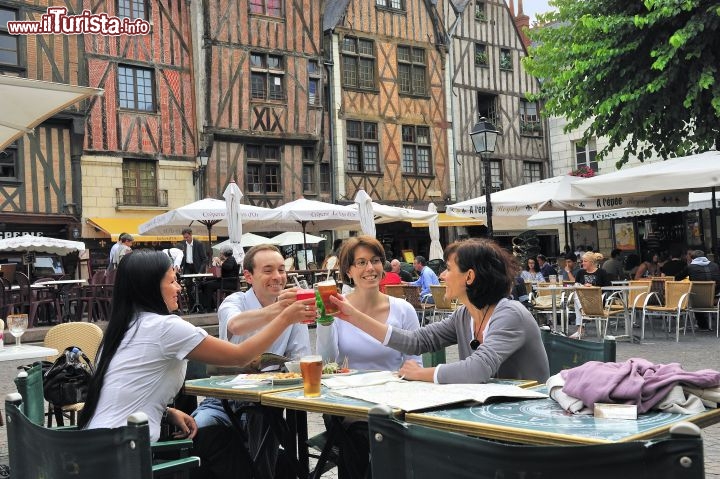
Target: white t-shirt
{"type": "Point", "coordinates": [147, 371]}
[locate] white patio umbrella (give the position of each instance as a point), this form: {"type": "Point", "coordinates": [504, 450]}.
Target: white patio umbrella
{"type": "Point", "coordinates": [233, 195]}
{"type": "Point", "coordinates": [27, 103]}
{"type": "Point", "coordinates": [365, 209]}
{"type": "Point", "coordinates": [248, 240]}
{"type": "Point", "coordinates": [40, 244]}
{"type": "Point", "coordinates": [436, 251]}
{"type": "Point", "coordinates": [290, 238]}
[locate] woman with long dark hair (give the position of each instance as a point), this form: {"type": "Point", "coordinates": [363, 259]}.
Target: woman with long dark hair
{"type": "Point", "coordinates": [496, 337]}
{"type": "Point", "coordinates": [142, 359]}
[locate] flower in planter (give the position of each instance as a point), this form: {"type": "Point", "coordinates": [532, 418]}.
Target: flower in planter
{"type": "Point", "coordinates": [583, 171]}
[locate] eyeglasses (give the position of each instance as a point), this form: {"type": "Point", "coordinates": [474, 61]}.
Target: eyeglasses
{"type": "Point", "coordinates": [362, 262]}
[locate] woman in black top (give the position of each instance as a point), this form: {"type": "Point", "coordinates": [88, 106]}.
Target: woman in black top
{"type": "Point", "coordinates": [590, 275]}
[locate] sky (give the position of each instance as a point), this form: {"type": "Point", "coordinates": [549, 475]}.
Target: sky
{"type": "Point", "coordinates": [533, 7]}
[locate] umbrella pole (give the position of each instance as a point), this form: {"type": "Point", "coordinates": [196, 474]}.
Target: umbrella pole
{"type": "Point", "coordinates": [209, 228]}
{"type": "Point", "coordinates": [713, 224]}
{"type": "Point", "coordinates": [304, 224]}
{"type": "Point", "coordinates": [567, 232]}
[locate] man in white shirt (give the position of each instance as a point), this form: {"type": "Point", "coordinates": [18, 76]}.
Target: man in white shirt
{"type": "Point", "coordinates": [240, 316]}
{"type": "Point", "coordinates": [195, 259]}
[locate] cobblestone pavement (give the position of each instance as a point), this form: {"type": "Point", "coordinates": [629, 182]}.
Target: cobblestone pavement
{"type": "Point", "coordinates": [700, 352]}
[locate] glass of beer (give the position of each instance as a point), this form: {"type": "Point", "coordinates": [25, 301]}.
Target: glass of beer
{"type": "Point", "coordinates": [311, 369]}
{"type": "Point", "coordinates": [326, 289]}
{"type": "Point", "coordinates": [305, 294]}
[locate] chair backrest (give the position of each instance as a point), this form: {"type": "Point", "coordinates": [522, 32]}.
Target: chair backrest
{"type": "Point", "coordinates": [86, 336]}
{"type": "Point", "coordinates": [542, 289]}
{"type": "Point", "coordinates": [566, 353]}
{"type": "Point", "coordinates": [703, 294]}
{"type": "Point", "coordinates": [98, 277]}
{"type": "Point", "coordinates": [400, 450]}
{"type": "Point", "coordinates": [36, 451]}
{"type": "Point", "coordinates": [590, 298]}
{"type": "Point", "coordinates": [412, 295]}
{"type": "Point", "coordinates": [438, 294]}
{"type": "Point", "coordinates": [395, 290]}
{"type": "Point", "coordinates": [8, 271]}
{"type": "Point", "coordinates": [633, 294]}
{"type": "Point", "coordinates": [528, 287]}
{"type": "Point", "coordinates": [30, 386]}
{"type": "Point", "coordinates": [674, 291]}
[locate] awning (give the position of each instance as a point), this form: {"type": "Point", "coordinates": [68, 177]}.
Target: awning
{"type": "Point", "coordinates": [697, 201]}
{"type": "Point", "coordinates": [114, 227]}
{"type": "Point", "coordinates": [445, 219]}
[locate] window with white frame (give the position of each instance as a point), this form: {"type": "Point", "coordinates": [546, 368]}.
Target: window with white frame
{"type": "Point", "coordinates": [267, 77]}
{"type": "Point", "coordinates": [412, 70]}
{"type": "Point", "coordinates": [416, 151]}
{"type": "Point", "coordinates": [532, 171]}
{"type": "Point", "coordinates": [358, 63]}
{"type": "Point", "coordinates": [585, 153]}
{"type": "Point", "coordinates": [496, 174]}
{"type": "Point", "coordinates": [392, 4]}
{"type": "Point", "coordinates": [262, 169]}
{"type": "Point", "coordinates": [362, 146]}
{"type": "Point", "coordinates": [530, 123]}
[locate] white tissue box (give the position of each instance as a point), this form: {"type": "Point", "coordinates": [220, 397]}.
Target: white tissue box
{"type": "Point", "coordinates": [615, 411]}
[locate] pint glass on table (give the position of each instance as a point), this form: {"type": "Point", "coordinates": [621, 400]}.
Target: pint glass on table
{"type": "Point", "coordinates": [311, 369]}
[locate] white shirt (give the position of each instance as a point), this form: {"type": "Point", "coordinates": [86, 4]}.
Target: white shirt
{"type": "Point", "coordinates": [293, 343]}
{"type": "Point", "coordinates": [147, 371]}
{"type": "Point", "coordinates": [176, 255]}
{"type": "Point", "coordinates": [188, 253]}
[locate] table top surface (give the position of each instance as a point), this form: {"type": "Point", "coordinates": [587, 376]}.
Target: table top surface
{"type": "Point", "coordinates": [25, 351]}
{"type": "Point", "coordinates": [217, 387]}
{"type": "Point", "coordinates": [329, 402]}
{"type": "Point", "coordinates": [63, 281]}
{"type": "Point", "coordinates": [543, 421]}
{"type": "Point", "coordinates": [622, 287]}
{"type": "Point", "coordinates": [197, 275]}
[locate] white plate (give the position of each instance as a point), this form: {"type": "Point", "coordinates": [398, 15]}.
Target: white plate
{"type": "Point", "coordinates": [326, 376]}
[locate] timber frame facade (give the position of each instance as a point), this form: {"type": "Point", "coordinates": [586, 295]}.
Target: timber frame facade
{"type": "Point", "coordinates": [40, 173]}
{"type": "Point", "coordinates": [388, 100]}
{"type": "Point", "coordinates": [261, 101]}
{"type": "Point", "coordinates": [488, 80]}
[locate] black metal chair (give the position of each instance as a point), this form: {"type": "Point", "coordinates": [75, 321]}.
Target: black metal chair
{"type": "Point", "coordinates": [36, 451]}
{"type": "Point", "coordinates": [399, 450]}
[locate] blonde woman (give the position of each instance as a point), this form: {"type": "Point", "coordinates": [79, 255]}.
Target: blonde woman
{"type": "Point", "coordinates": [590, 275]}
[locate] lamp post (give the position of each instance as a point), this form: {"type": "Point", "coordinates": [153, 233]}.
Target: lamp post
{"type": "Point", "coordinates": [199, 172]}
{"type": "Point", "coordinates": [484, 135]}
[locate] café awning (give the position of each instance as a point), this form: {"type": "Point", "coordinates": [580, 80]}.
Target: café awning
{"type": "Point", "coordinates": [445, 219]}
{"type": "Point", "coordinates": [117, 225]}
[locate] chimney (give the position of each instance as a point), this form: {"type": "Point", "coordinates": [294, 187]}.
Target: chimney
{"type": "Point", "coordinates": [522, 22]}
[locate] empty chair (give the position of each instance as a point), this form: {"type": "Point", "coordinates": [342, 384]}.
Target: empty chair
{"type": "Point", "coordinates": [633, 301]}
{"type": "Point", "coordinates": [443, 307]}
{"type": "Point", "coordinates": [47, 297]}
{"type": "Point", "coordinates": [395, 290]}
{"type": "Point", "coordinates": [421, 304]}
{"type": "Point", "coordinates": [567, 353]}
{"type": "Point", "coordinates": [703, 300]}
{"type": "Point", "coordinates": [593, 308]}
{"type": "Point", "coordinates": [673, 309]}
{"type": "Point", "coordinates": [87, 337]}
{"type": "Point", "coordinates": [123, 452]}
{"type": "Point", "coordinates": [402, 451]}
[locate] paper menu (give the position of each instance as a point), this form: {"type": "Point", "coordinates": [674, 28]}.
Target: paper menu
{"type": "Point", "coordinates": [416, 395]}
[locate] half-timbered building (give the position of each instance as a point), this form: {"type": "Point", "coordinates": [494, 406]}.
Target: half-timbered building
{"type": "Point", "coordinates": [40, 173]}
{"type": "Point", "coordinates": [261, 99]}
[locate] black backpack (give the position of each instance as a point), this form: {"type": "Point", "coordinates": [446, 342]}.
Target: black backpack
{"type": "Point", "coordinates": [66, 381]}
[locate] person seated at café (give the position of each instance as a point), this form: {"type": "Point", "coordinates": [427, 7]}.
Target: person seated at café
{"type": "Point", "coordinates": [496, 336]}
{"type": "Point", "coordinates": [676, 267]}
{"type": "Point", "coordinates": [545, 267]}
{"type": "Point", "coordinates": [361, 261]}
{"type": "Point", "coordinates": [396, 268]}
{"type": "Point", "coordinates": [427, 278]}
{"type": "Point", "coordinates": [571, 268]}
{"type": "Point", "coordinates": [590, 275]}
{"type": "Point", "coordinates": [389, 277]}
{"type": "Point", "coordinates": [143, 357]}
{"type": "Point", "coordinates": [614, 265]}
{"type": "Point", "coordinates": [530, 271]}
{"type": "Point", "coordinates": [702, 269]}
{"type": "Point", "coordinates": [229, 274]}
{"type": "Point", "coordinates": [649, 267]}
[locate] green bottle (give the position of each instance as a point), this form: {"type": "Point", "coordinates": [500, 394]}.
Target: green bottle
{"type": "Point", "coordinates": [323, 319]}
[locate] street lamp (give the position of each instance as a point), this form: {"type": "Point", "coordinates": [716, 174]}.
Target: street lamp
{"type": "Point", "coordinates": [199, 172]}
{"type": "Point", "coordinates": [484, 135]}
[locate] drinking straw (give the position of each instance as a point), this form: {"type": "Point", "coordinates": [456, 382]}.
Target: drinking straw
{"type": "Point", "coordinates": [297, 283]}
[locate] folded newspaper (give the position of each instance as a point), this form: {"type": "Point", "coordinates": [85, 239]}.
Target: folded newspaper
{"type": "Point", "coordinates": [417, 395]}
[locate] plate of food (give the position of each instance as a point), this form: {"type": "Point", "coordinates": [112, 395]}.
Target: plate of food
{"type": "Point", "coordinates": [331, 370]}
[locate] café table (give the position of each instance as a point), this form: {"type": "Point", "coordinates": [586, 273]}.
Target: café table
{"type": "Point", "coordinates": [26, 351]}
{"type": "Point", "coordinates": [196, 278]}
{"type": "Point", "coordinates": [61, 292]}
{"type": "Point", "coordinates": [624, 292]}
{"type": "Point", "coordinates": [554, 289]}
{"type": "Point", "coordinates": [544, 422]}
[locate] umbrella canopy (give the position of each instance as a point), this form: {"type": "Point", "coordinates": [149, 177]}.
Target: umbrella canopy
{"type": "Point", "coordinates": [247, 240]}
{"type": "Point", "coordinates": [365, 209]}
{"type": "Point", "coordinates": [208, 214]}
{"type": "Point", "coordinates": [27, 103]}
{"type": "Point", "coordinates": [290, 238]}
{"type": "Point", "coordinates": [551, 194]}
{"type": "Point", "coordinates": [436, 251]}
{"type": "Point", "coordinates": [41, 244]}
{"type": "Point", "coordinates": [233, 195]}
{"type": "Point", "coordinates": [696, 173]}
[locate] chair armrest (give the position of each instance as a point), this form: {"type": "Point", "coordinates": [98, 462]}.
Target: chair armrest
{"type": "Point", "coordinates": [649, 296]}
{"type": "Point", "coordinates": [183, 464]}
{"type": "Point", "coordinates": [639, 298]}
{"type": "Point", "coordinates": [174, 445]}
